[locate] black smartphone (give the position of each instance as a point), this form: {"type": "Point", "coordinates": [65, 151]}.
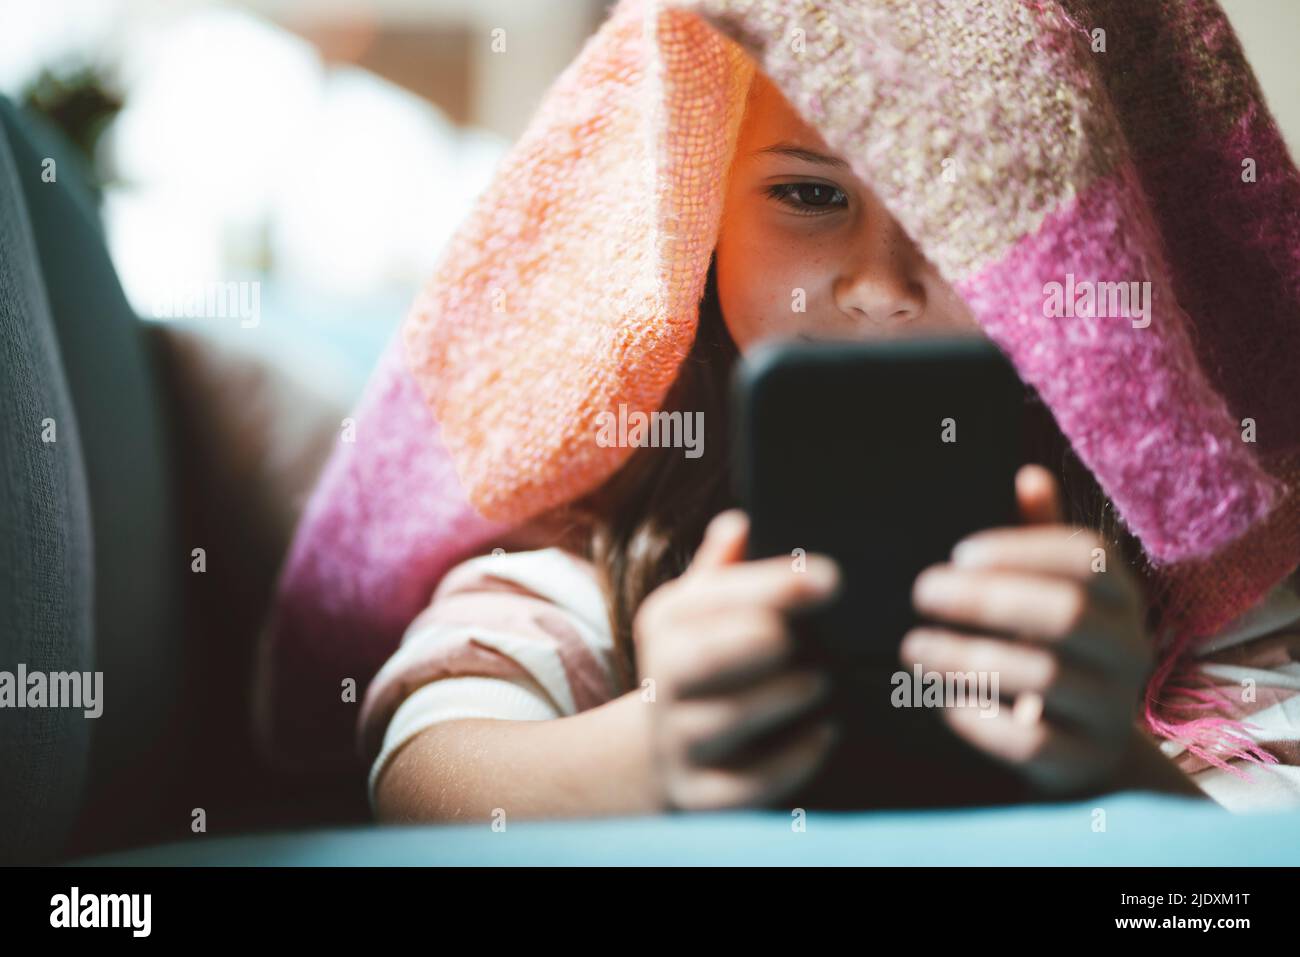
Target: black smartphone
{"type": "Point", "coordinates": [882, 455]}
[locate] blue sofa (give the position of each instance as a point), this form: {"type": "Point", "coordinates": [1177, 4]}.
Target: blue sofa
{"type": "Point", "coordinates": [95, 536]}
{"type": "Point", "coordinates": [1139, 829]}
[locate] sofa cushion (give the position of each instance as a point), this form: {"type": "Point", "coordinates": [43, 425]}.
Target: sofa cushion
{"type": "Point", "coordinates": [112, 378]}
{"type": "Point", "coordinates": [45, 545]}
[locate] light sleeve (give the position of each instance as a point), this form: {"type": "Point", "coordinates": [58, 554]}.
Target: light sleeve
{"type": "Point", "coordinates": [518, 636]}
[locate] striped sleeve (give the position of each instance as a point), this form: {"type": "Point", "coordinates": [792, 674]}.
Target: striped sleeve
{"type": "Point", "coordinates": [1254, 665]}
{"type": "Point", "coordinates": [517, 636]}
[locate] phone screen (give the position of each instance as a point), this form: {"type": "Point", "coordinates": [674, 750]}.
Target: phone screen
{"type": "Point", "coordinates": [881, 455]}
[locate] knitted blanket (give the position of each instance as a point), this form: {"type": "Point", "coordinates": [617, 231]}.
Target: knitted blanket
{"type": "Point", "coordinates": [1059, 161]}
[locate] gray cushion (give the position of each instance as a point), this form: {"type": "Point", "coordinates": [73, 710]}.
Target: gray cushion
{"type": "Point", "coordinates": [111, 376]}
{"type": "Point", "coordinates": [45, 547]}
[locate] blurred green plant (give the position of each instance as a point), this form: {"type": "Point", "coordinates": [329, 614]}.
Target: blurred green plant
{"type": "Point", "coordinates": [80, 101]}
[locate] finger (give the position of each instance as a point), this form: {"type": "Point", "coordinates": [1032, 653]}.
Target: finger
{"type": "Point", "coordinates": [1038, 495]}
{"type": "Point", "coordinates": [724, 541]}
{"type": "Point", "coordinates": [1055, 610]}
{"type": "Point", "coordinates": [716, 727]}
{"type": "Point", "coordinates": [769, 582]}
{"type": "Point", "coordinates": [1064, 551]}
{"type": "Point", "coordinates": [991, 668]}
{"type": "Point", "coordinates": [1018, 603]}
{"type": "Point", "coordinates": [743, 646]}
{"type": "Point", "coordinates": [1054, 759]}
{"type": "Point", "coordinates": [767, 779]}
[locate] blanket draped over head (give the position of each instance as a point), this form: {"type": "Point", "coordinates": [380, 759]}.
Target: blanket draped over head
{"type": "Point", "coordinates": [1095, 144]}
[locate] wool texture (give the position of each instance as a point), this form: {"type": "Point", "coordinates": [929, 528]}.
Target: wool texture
{"type": "Point", "coordinates": [1107, 140]}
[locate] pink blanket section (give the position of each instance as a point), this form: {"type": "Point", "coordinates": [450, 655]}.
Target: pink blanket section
{"type": "Point", "coordinates": [386, 520]}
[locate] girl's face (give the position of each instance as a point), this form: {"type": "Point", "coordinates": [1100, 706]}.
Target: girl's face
{"type": "Point", "coordinates": [800, 229]}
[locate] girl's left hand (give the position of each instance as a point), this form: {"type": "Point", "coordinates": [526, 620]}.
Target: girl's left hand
{"type": "Point", "coordinates": [1065, 641]}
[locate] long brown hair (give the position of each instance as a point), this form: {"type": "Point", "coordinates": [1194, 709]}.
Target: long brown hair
{"type": "Point", "coordinates": [647, 520]}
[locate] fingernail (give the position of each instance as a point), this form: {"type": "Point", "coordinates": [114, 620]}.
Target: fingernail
{"type": "Point", "coordinates": [728, 523]}
{"type": "Point", "coordinates": [1028, 707]}
{"type": "Point", "coordinates": [918, 644]}
{"type": "Point", "coordinates": [823, 572]}
{"type": "Point", "coordinates": [967, 552]}
{"type": "Point", "coordinates": [933, 587]}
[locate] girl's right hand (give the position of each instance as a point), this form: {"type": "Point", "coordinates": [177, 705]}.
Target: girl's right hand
{"type": "Point", "coordinates": [717, 645]}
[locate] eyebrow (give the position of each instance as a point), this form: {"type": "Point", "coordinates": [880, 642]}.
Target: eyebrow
{"type": "Point", "coordinates": [798, 152]}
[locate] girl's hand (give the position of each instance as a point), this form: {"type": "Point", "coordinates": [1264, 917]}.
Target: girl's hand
{"type": "Point", "coordinates": [1065, 641]}
{"type": "Point", "coordinates": [716, 644]}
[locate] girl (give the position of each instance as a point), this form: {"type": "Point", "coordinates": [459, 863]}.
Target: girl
{"type": "Point", "coordinates": [614, 653]}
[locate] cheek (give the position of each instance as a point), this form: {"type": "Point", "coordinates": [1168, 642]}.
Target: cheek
{"type": "Point", "coordinates": [757, 279]}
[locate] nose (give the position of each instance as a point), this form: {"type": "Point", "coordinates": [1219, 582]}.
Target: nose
{"type": "Point", "coordinates": [881, 286]}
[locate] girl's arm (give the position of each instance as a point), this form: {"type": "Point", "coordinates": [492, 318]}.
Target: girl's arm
{"type": "Point", "coordinates": [499, 717]}
{"type": "Point", "coordinates": [509, 666]}
{"type": "Point", "coordinates": [596, 762]}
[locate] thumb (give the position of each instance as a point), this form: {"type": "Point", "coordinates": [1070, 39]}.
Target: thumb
{"type": "Point", "coordinates": [724, 541]}
{"type": "Point", "coordinates": [1039, 496]}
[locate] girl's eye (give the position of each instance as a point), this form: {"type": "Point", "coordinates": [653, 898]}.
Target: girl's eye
{"type": "Point", "coordinates": [809, 199]}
